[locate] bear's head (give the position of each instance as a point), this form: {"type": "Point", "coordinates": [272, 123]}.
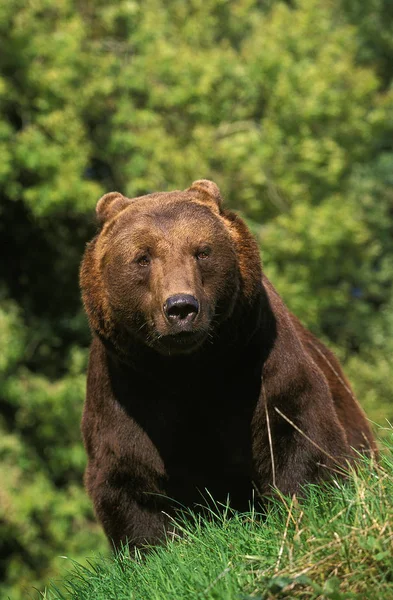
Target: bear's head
{"type": "Point", "coordinates": [166, 269]}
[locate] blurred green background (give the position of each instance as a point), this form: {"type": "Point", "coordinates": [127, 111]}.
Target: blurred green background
{"type": "Point", "coordinates": [288, 106]}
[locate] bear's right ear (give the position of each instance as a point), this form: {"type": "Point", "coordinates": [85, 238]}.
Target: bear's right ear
{"type": "Point", "coordinates": [109, 205]}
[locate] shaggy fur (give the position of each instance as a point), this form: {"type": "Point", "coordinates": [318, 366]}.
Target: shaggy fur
{"type": "Point", "coordinates": [234, 397]}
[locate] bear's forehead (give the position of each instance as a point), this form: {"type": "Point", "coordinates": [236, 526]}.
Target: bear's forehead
{"type": "Point", "coordinates": [173, 203]}
{"type": "Point", "coordinates": [166, 214]}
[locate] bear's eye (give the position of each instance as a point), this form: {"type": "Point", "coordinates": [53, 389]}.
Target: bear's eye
{"type": "Point", "coordinates": [144, 260]}
{"type": "Point", "coordinates": [202, 254]}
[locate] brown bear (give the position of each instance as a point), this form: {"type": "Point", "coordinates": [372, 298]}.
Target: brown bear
{"type": "Point", "coordinates": [200, 380]}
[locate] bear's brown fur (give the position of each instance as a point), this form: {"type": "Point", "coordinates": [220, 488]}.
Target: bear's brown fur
{"type": "Point", "coordinates": [199, 377]}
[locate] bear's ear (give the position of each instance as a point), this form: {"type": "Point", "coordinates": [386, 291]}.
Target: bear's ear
{"type": "Point", "coordinates": [109, 205]}
{"type": "Point", "coordinates": [208, 192]}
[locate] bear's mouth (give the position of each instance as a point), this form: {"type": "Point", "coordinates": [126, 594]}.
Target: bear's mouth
{"type": "Point", "coordinates": [181, 342]}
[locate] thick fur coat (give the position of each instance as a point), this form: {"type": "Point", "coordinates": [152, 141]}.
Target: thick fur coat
{"type": "Point", "coordinates": [199, 377]}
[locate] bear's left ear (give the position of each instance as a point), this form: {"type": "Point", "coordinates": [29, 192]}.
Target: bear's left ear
{"type": "Point", "coordinates": [208, 192]}
{"type": "Point", "coordinates": [109, 205]}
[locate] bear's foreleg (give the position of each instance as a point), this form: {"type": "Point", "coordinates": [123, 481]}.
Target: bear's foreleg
{"type": "Point", "coordinates": [128, 515]}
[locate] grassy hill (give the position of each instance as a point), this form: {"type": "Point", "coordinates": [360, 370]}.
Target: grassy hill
{"type": "Point", "coordinates": [336, 544]}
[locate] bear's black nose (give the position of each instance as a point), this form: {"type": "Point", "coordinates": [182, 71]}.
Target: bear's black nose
{"type": "Point", "coordinates": [181, 309]}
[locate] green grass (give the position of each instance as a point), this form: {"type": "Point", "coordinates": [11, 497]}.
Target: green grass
{"type": "Point", "coordinates": [336, 544]}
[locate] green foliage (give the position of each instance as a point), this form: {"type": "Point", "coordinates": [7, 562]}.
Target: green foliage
{"type": "Point", "coordinates": [287, 105]}
{"type": "Point", "coordinates": [336, 544]}
{"type": "Point", "coordinates": [374, 28]}
{"type": "Point", "coordinates": [43, 508]}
